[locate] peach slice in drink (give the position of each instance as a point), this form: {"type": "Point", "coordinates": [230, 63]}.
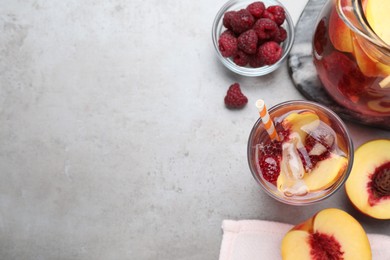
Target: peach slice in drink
{"type": "Point", "coordinates": [325, 173]}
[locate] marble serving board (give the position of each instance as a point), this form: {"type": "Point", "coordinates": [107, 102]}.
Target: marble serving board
{"type": "Point", "coordinates": [303, 73]}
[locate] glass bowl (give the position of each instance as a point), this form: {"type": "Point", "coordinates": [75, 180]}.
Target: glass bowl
{"type": "Point", "coordinates": [342, 145]}
{"type": "Point", "coordinates": [218, 28]}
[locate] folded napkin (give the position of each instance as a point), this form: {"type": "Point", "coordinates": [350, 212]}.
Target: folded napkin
{"type": "Point", "coordinates": [258, 239]}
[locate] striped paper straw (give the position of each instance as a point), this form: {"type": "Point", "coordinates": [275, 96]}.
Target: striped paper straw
{"type": "Point", "coordinates": [268, 124]}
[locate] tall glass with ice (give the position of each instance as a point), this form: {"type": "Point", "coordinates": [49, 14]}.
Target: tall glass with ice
{"type": "Point", "coordinates": [310, 159]}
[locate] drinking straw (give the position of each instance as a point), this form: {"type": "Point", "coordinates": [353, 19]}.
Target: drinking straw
{"type": "Point", "coordinates": [268, 124]}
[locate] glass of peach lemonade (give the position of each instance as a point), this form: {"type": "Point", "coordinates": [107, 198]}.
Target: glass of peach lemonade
{"type": "Point", "coordinates": [351, 52]}
{"type": "Point", "coordinates": [310, 160]}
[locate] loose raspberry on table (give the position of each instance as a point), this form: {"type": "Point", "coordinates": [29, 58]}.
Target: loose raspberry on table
{"type": "Point", "coordinates": [241, 21]}
{"type": "Point", "coordinates": [227, 44]}
{"type": "Point", "coordinates": [270, 52]}
{"type": "Point", "coordinates": [247, 41]}
{"type": "Point", "coordinates": [256, 9]}
{"type": "Point", "coordinates": [241, 58]}
{"type": "Point", "coordinates": [265, 29]}
{"type": "Point", "coordinates": [227, 19]}
{"type": "Point", "coordinates": [234, 97]}
{"type": "Point", "coordinates": [278, 13]}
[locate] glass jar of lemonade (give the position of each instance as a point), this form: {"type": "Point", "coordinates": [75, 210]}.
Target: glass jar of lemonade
{"type": "Point", "coordinates": [351, 50]}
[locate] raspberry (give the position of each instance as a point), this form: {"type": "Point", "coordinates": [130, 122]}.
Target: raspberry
{"type": "Point", "coordinates": [281, 36]}
{"type": "Point", "coordinates": [345, 74]}
{"type": "Point", "coordinates": [322, 135]}
{"type": "Point", "coordinates": [247, 41]}
{"type": "Point", "coordinates": [320, 39]}
{"type": "Point", "coordinates": [265, 28]}
{"type": "Point", "coordinates": [270, 52]}
{"type": "Point", "coordinates": [269, 160]}
{"type": "Point", "coordinates": [227, 44]}
{"type": "Point", "coordinates": [227, 19]}
{"type": "Point", "coordinates": [234, 97]}
{"type": "Point", "coordinates": [241, 58]}
{"type": "Point", "coordinates": [326, 141]}
{"type": "Point", "coordinates": [267, 14]}
{"type": "Point", "coordinates": [278, 13]}
{"type": "Point", "coordinates": [256, 9]}
{"type": "Point", "coordinates": [241, 21]}
{"type": "Point", "coordinates": [255, 61]}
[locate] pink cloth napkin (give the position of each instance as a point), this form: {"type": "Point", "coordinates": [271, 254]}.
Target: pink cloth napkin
{"type": "Point", "coordinates": [258, 239]}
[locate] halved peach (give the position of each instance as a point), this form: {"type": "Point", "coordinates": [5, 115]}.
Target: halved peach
{"type": "Point", "coordinates": [329, 234]}
{"type": "Point", "coordinates": [339, 33]}
{"type": "Point", "coordinates": [325, 173]}
{"type": "Point", "coordinates": [368, 185]}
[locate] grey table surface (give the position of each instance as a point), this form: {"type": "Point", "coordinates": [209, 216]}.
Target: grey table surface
{"type": "Point", "coordinates": [114, 139]}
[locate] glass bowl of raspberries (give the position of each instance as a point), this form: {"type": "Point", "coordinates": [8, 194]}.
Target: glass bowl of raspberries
{"type": "Point", "coordinates": [253, 38]}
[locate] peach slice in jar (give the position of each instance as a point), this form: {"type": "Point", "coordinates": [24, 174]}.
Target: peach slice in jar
{"type": "Point", "coordinates": [367, 64]}
{"type": "Point", "coordinates": [339, 33]}
{"type": "Point", "coordinates": [377, 14]}
{"type": "Point", "coordinates": [329, 234]}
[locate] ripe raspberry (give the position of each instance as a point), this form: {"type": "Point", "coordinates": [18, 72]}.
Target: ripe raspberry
{"type": "Point", "coordinates": [234, 97]}
{"type": "Point", "coordinates": [241, 21]}
{"type": "Point", "coordinates": [324, 139]}
{"type": "Point", "coordinates": [269, 160]}
{"type": "Point", "coordinates": [255, 61]}
{"type": "Point", "coordinates": [241, 58]}
{"type": "Point", "coordinates": [227, 18]}
{"type": "Point", "coordinates": [265, 28]}
{"type": "Point", "coordinates": [256, 9]}
{"type": "Point", "coordinates": [268, 14]}
{"type": "Point", "coordinates": [345, 74]}
{"type": "Point", "coordinates": [278, 13]}
{"type": "Point", "coordinates": [320, 40]}
{"type": "Point", "coordinates": [247, 41]}
{"type": "Point", "coordinates": [270, 52]}
{"type": "Point", "coordinates": [281, 36]}
{"type": "Point", "coordinates": [227, 44]}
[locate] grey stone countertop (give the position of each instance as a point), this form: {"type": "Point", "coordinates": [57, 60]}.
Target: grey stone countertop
{"type": "Point", "coordinates": [114, 139]}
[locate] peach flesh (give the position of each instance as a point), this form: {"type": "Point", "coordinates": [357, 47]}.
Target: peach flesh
{"type": "Point", "coordinates": [379, 186]}
{"type": "Point", "coordinates": [324, 246]}
{"type": "Point", "coordinates": [329, 234]}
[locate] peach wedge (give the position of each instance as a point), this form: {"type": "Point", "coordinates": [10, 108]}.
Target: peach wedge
{"type": "Point", "coordinates": [325, 173]}
{"type": "Point", "coordinates": [339, 33]}
{"type": "Point", "coordinates": [368, 185]}
{"type": "Point", "coordinates": [329, 234]}
{"type": "Point", "coordinates": [302, 123]}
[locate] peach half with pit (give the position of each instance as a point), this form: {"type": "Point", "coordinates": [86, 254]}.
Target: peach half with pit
{"type": "Point", "coordinates": [330, 234]}
{"type": "Point", "coordinates": [368, 185]}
